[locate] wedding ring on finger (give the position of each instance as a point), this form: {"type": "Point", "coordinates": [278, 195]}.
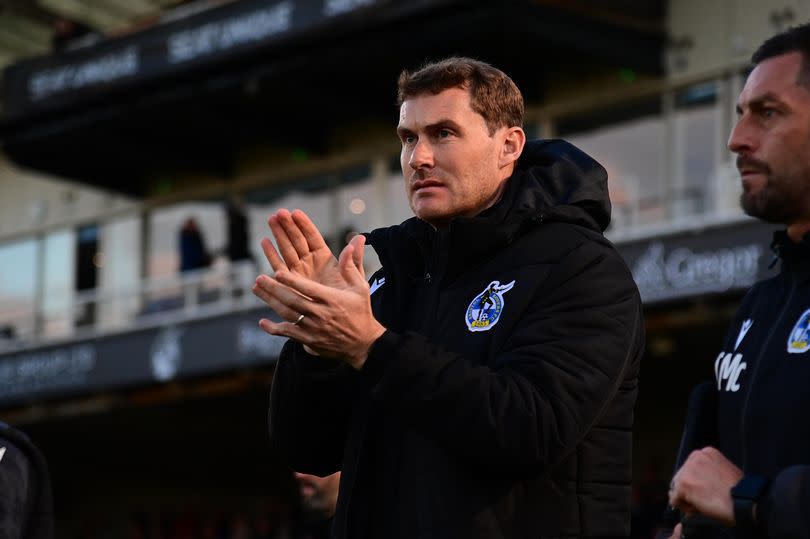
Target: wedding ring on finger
{"type": "Point", "coordinates": [298, 321]}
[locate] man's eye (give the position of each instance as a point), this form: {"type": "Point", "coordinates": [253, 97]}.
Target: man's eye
{"type": "Point", "coordinates": [444, 133]}
{"type": "Point", "coordinates": [408, 139]}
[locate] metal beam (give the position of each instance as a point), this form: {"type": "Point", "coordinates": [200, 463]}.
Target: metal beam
{"type": "Point", "coordinates": [77, 10]}
{"type": "Point", "coordinates": [165, 3]}
{"type": "Point", "coordinates": [6, 58]}
{"type": "Point", "coordinates": [607, 13]}
{"type": "Point", "coordinates": [131, 9]}
{"type": "Point", "coordinates": [26, 27]}
{"type": "Point", "coordinates": [18, 44]}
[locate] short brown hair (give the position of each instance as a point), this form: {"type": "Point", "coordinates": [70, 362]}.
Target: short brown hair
{"type": "Point", "coordinates": [493, 94]}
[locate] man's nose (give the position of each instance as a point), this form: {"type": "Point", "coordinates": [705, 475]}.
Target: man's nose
{"type": "Point", "coordinates": [421, 156]}
{"type": "Point", "coordinates": [742, 138]}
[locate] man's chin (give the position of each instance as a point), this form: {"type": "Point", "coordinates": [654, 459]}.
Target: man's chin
{"type": "Point", "coordinates": [433, 216]}
{"type": "Point", "coordinates": [747, 204]}
{"type": "Point", "coordinates": [758, 207]}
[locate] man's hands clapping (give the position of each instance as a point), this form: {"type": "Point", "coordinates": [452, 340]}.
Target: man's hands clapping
{"type": "Point", "coordinates": [331, 294]}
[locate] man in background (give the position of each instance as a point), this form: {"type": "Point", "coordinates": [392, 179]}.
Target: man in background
{"type": "Point", "coordinates": [755, 480]}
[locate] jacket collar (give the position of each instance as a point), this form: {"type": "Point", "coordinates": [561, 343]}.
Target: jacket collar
{"type": "Point", "coordinates": [794, 256]}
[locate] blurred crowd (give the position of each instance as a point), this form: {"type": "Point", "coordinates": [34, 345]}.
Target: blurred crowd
{"type": "Point", "coordinates": [273, 522]}
{"type": "Point", "coordinates": [308, 517]}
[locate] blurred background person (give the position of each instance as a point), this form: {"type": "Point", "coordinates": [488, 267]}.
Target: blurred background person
{"type": "Point", "coordinates": [193, 253]}
{"type": "Point", "coordinates": [238, 232]}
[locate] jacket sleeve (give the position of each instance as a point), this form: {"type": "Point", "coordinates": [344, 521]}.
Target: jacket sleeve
{"type": "Point", "coordinates": [784, 511]}
{"type": "Point", "coordinates": [552, 380]}
{"type": "Point", "coordinates": [310, 407]}
{"type": "Point", "coordinates": [15, 491]}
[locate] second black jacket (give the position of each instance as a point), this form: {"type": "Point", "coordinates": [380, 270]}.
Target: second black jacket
{"type": "Point", "coordinates": [762, 398]}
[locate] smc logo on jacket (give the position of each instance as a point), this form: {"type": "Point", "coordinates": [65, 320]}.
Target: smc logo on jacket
{"type": "Point", "coordinates": [728, 366]}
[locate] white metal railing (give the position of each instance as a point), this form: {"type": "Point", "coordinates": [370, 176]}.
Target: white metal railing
{"type": "Point", "coordinates": [153, 302]}
{"type": "Point", "coordinates": [721, 205]}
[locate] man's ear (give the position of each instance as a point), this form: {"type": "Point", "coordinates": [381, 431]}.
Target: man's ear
{"type": "Point", "coordinates": [514, 139]}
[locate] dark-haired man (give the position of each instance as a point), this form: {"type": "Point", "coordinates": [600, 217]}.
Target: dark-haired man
{"type": "Point", "coordinates": [483, 386]}
{"type": "Point", "coordinates": [757, 479]}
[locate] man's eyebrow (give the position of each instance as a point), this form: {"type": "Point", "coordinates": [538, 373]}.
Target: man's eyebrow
{"type": "Point", "coordinates": [441, 123]}
{"type": "Point", "coordinates": [759, 102]}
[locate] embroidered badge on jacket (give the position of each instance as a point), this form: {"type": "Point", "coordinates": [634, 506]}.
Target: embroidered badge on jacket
{"type": "Point", "coordinates": [798, 338]}
{"type": "Point", "coordinates": [485, 309]}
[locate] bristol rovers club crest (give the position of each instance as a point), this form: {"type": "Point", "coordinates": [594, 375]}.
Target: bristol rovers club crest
{"type": "Point", "coordinates": [485, 308]}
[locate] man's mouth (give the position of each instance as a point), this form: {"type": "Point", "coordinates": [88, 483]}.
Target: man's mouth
{"type": "Point", "coordinates": [422, 184]}
{"type": "Point", "coordinates": [750, 167]}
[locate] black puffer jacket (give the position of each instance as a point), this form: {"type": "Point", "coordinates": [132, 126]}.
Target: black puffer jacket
{"type": "Point", "coordinates": [514, 422]}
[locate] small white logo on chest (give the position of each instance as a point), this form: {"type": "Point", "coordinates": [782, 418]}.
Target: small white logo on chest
{"type": "Point", "coordinates": [746, 325]}
{"type": "Point", "coordinates": [485, 308]}
{"type": "Point", "coordinates": [376, 284]}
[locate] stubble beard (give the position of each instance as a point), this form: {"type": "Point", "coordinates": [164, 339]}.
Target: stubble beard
{"type": "Point", "coordinates": [772, 204]}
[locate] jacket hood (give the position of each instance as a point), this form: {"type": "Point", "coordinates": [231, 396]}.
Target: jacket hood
{"type": "Point", "coordinates": [561, 181]}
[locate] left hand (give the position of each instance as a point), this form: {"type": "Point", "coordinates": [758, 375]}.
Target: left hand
{"type": "Point", "coordinates": [338, 322]}
{"type": "Point", "coordinates": [703, 485]}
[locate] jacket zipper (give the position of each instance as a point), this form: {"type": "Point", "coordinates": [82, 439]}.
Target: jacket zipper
{"type": "Point", "coordinates": [762, 350]}
{"type": "Point", "coordinates": [435, 270]}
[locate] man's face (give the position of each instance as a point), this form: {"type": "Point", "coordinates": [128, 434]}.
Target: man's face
{"type": "Point", "coordinates": [772, 141]}
{"type": "Point", "coordinates": [451, 164]}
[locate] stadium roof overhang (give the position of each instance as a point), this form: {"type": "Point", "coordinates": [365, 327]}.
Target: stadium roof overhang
{"type": "Point", "coordinates": [187, 95]}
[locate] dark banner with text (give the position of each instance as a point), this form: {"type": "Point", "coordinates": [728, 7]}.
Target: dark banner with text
{"type": "Point", "coordinates": [711, 261]}
{"type": "Point", "coordinates": [205, 39]}
{"type": "Point", "coordinates": [156, 355]}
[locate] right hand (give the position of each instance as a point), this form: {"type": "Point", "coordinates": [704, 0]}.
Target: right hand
{"type": "Point", "coordinates": [337, 323]}
{"type": "Point", "coordinates": [303, 251]}
{"type": "Point", "coordinates": [703, 485]}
